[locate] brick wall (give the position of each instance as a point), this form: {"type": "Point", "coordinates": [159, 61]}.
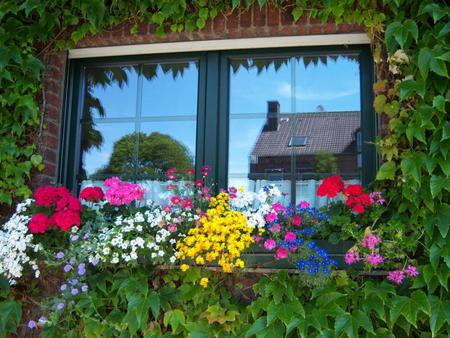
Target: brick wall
{"type": "Point", "coordinates": [254, 22]}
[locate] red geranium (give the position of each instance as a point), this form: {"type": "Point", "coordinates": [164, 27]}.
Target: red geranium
{"type": "Point", "coordinates": [39, 224]}
{"type": "Point", "coordinates": [330, 187]}
{"type": "Point", "coordinates": [357, 199]}
{"type": "Point", "coordinates": [66, 207]}
{"type": "Point", "coordinates": [66, 219]}
{"type": "Point", "coordinates": [296, 220]}
{"type": "Point", "coordinates": [92, 194]}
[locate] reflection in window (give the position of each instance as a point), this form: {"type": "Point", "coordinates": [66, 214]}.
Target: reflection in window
{"type": "Point", "coordinates": [294, 121]}
{"type": "Point", "coordinates": [132, 126]}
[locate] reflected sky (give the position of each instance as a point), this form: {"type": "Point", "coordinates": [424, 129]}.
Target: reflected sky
{"type": "Point", "coordinates": [320, 87]}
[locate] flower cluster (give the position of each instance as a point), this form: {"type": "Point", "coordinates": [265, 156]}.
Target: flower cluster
{"type": "Point", "coordinates": [398, 276]}
{"type": "Point", "coordinates": [355, 197]}
{"type": "Point", "coordinates": [16, 244]}
{"type": "Point", "coordinates": [370, 242]}
{"type": "Point", "coordinates": [222, 235]}
{"type": "Point", "coordinates": [92, 194]}
{"type": "Point", "coordinates": [59, 209]}
{"type": "Point", "coordinates": [126, 239]}
{"type": "Point", "coordinates": [120, 192]}
{"type": "Point", "coordinates": [288, 232]}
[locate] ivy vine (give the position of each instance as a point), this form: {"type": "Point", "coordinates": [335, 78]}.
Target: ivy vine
{"type": "Point", "coordinates": [411, 48]}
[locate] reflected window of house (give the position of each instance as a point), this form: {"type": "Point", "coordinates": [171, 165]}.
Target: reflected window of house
{"type": "Point", "coordinates": [133, 128]}
{"type": "Point", "coordinates": [294, 121]}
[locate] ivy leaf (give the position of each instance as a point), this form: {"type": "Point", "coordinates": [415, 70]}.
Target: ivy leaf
{"type": "Point", "coordinates": [440, 313]}
{"type": "Point", "coordinates": [174, 318]}
{"type": "Point", "coordinates": [424, 60]}
{"type": "Point", "coordinates": [437, 183]}
{"type": "Point", "coordinates": [258, 326]}
{"type": "Point", "coordinates": [386, 171]}
{"type": "Point", "coordinates": [379, 103]}
{"type": "Point", "coordinates": [297, 12]}
{"type": "Point", "coordinates": [412, 28]}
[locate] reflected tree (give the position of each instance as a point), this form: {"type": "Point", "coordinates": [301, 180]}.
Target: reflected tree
{"type": "Point", "coordinates": [145, 156]}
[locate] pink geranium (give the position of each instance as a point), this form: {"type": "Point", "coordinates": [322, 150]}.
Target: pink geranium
{"type": "Point", "coordinates": [396, 277]}
{"type": "Point", "coordinates": [271, 217]}
{"type": "Point", "coordinates": [281, 253]}
{"type": "Point", "coordinates": [275, 228]}
{"type": "Point", "coordinates": [270, 244]}
{"type": "Point", "coordinates": [411, 271]}
{"type": "Point", "coordinates": [290, 237]}
{"type": "Point", "coordinates": [371, 241]}
{"type": "Point", "coordinates": [304, 205]}
{"type": "Point", "coordinates": [296, 220]}
{"type": "Point", "coordinates": [375, 259]}
{"type": "Point", "coordinates": [120, 192]}
{"type": "Point", "coordinates": [351, 257]}
{"type": "Point", "coordinates": [278, 207]}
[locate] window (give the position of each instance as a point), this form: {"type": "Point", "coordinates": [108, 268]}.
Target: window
{"type": "Point", "coordinates": [287, 117]}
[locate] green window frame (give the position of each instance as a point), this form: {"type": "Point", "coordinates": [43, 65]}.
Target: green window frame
{"type": "Point", "coordinates": [212, 106]}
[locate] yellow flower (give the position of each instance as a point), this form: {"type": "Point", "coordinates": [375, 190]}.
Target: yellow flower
{"type": "Point", "coordinates": [204, 282]}
{"type": "Point", "coordinates": [199, 260]}
{"type": "Point", "coordinates": [184, 267]}
{"type": "Point", "coordinates": [240, 263]}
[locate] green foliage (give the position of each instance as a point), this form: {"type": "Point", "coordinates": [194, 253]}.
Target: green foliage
{"type": "Point", "coordinates": [10, 310]}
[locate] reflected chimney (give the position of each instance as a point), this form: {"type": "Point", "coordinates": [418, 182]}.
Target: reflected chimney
{"type": "Point", "coordinates": [273, 116]}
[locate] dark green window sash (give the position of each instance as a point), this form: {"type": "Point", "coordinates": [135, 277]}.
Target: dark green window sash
{"type": "Point", "coordinates": [213, 106]}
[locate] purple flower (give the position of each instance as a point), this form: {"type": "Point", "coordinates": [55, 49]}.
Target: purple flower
{"type": "Point", "coordinates": [32, 324]}
{"type": "Point", "coordinates": [396, 277]}
{"type": "Point", "coordinates": [63, 287]}
{"type": "Point", "coordinates": [375, 259]}
{"type": "Point", "coordinates": [72, 261]}
{"type": "Point", "coordinates": [95, 261]}
{"type": "Point", "coordinates": [74, 292]}
{"type": "Point", "coordinates": [42, 320]}
{"type": "Point", "coordinates": [81, 269]}
{"type": "Point", "coordinates": [73, 238]}
{"type": "Point", "coordinates": [67, 267]}
{"type": "Point", "coordinates": [84, 288]}
{"type": "Point", "coordinates": [351, 257]}
{"type": "Point", "coordinates": [74, 281]}
{"type": "Point", "coordinates": [411, 271]}
{"type": "Point", "coordinates": [60, 306]}
{"type": "Point", "coordinates": [86, 236]}
{"type": "Point", "coordinates": [60, 255]}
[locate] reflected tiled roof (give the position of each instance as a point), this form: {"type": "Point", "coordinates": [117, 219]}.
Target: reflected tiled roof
{"type": "Point", "coordinates": [332, 131]}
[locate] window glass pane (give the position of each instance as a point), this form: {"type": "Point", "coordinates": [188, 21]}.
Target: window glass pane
{"type": "Point", "coordinates": [252, 163]}
{"type": "Point", "coordinates": [138, 121]}
{"type": "Point", "coordinates": [304, 123]}
{"type": "Point", "coordinates": [170, 89]}
{"type": "Point", "coordinates": [110, 92]}
{"type": "Point", "coordinates": [112, 154]}
{"type": "Point", "coordinates": [164, 145]}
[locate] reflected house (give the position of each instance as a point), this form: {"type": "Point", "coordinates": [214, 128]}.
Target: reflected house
{"type": "Point", "coordinates": [293, 142]}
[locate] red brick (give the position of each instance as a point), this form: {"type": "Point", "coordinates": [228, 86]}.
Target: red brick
{"type": "Point", "coordinates": [259, 15]}
{"type": "Point", "coordinates": [245, 18]}
{"type": "Point", "coordinates": [344, 28]}
{"type": "Point", "coordinates": [286, 18]}
{"type": "Point", "coordinates": [48, 155]}
{"type": "Point", "coordinates": [301, 29]}
{"type": "Point", "coordinates": [50, 141]}
{"type": "Point", "coordinates": [219, 23]}
{"type": "Point", "coordinates": [52, 97]}
{"type": "Point", "coordinates": [232, 21]}
{"type": "Point", "coordinates": [273, 16]}
{"type": "Point", "coordinates": [143, 28]}
{"type": "Point", "coordinates": [50, 169]}
{"type": "Point", "coordinates": [330, 28]}
{"type": "Point", "coordinates": [51, 128]}
{"type": "Point", "coordinates": [358, 28]}
{"type": "Point", "coordinates": [316, 29]}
